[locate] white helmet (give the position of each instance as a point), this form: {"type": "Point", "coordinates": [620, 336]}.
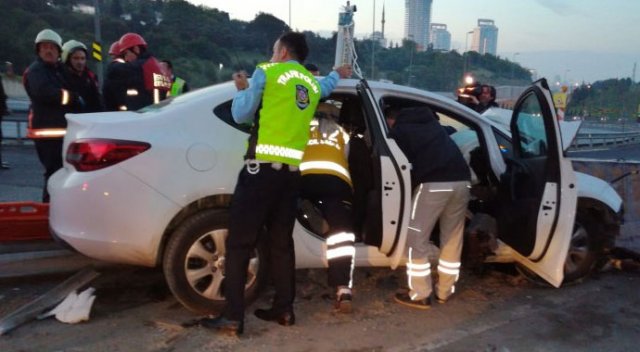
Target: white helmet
{"type": "Point", "coordinates": [71, 46]}
{"type": "Point", "coordinates": [48, 35]}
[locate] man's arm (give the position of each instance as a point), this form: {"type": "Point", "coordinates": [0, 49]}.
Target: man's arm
{"type": "Point", "coordinates": [247, 99]}
{"type": "Point", "coordinates": [329, 82]}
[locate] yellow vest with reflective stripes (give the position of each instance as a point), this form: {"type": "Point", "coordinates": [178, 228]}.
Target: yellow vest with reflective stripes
{"type": "Point", "coordinates": [291, 95]}
{"type": "Point", "coordinates": [325, 153]}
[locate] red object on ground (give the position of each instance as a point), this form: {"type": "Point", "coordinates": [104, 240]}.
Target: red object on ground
{"type": "Point", "coordinates": [24, 221]}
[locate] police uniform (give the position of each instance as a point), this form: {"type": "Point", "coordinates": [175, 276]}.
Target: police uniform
{"type": "Point", "coordinates": [326, 181]}
{"type": "Point", "coordinates": [268, 185]}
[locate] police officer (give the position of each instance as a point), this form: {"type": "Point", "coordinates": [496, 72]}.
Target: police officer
{"type": "Point", "coordinates": [80, 78]}
{"type": "Point", "coordinates": [144, 82]}
{"type": "Point", "coordinates": [178, 85]}
{"type": "Point", "coordinates": [50, 100]}
{"type": "Point", "coordinates": [440, 179]}
{"type": "Point", "coordinates": [267, 187]}
{"type": "Point", "coordinates": [327, 182]}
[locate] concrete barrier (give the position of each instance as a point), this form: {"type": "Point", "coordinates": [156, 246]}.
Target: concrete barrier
{"type": "Point", "coordinates": [628, 188]}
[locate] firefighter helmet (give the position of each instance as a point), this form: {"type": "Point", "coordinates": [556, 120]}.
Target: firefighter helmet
{"type": "Point", "coordinates": [114, 49]}
{"type": "Point", "coordinates": [70, 47]}
{"type": "Point", "coordinates": [48, 36]}
{"type": "Point", "coordinates": [130, 40]}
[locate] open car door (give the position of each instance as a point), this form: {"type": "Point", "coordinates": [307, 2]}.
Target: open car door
{"type": "Point", "coordinates": [393, 180]}
{"type": "Point", "coordinates": [538, 193]}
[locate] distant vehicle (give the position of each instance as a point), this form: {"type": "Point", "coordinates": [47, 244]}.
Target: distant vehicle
{"type": "Point", "coordinates": [153, 188]}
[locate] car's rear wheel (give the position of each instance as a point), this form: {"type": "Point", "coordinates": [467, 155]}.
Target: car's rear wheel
{"type": "Point", "coordinates": [194, 263]}
{"type": "Point", "coordinates": [584, 249]}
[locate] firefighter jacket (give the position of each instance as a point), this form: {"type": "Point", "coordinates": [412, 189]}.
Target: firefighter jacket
{"type": "Point", "coordinates": [289, 101]}
{"type": "Point", "coordinates": [50, 98]}
{"type": "Point", "coordinates": [114, 89]}
{"type": "Point", "coordinates": [326, 152]}
{"type": "Point", "coordinates": [86, 86]}
{"type": "Point", "coordinates": [139, 83]}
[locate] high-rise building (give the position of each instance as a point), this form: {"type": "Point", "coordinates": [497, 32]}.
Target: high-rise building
{"type": "Point", "coordinates": [485, 37]}
{"type": "Point", "coordinates": [440, 37]}
{"type": "Point", "coordinates": [417, 21]}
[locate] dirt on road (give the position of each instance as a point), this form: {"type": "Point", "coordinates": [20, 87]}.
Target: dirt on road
{"type": "Point", "coordinates": [496, 311]}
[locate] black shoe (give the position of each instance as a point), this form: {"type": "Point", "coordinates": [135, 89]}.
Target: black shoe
{"type": "Point", "coordinates": [343, 303]}
{"type": "Point", "coordinates": [405, 299]}
{"type": "Point", "coordinates": [223, 324]}
{"type": "Point", "coordinates": [441, 300]}
{"type": "Point", "coordinates": [285, 318]}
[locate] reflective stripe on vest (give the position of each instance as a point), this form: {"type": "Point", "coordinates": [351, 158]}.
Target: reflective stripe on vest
{"type": "Point", "coordinates": [278, 151]}
{"type": "Point", "coordinates": [36, 133]}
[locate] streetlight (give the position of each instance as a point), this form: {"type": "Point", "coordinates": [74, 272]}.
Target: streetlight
{"type": "Point", "coordinates": [465, 55]}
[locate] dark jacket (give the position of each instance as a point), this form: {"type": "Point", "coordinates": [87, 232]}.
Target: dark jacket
{"type": "Point", "coordinates": [44, 84]}
{"type": "Point", "coordinates": [433, 155]}
{"type": "Point", "coordinates": [133, 82]}
{"type": "Point", "coordinates": [3, 102]}
{"type": "Point", "coordinates": [86, 86]}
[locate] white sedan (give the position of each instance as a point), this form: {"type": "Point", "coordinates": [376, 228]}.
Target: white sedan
{"type": "Point", "coordinates": [153, 187]}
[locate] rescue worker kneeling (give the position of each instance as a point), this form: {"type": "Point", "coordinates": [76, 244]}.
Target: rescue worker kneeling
{"type": "Point", "coordinates": [326, 182]}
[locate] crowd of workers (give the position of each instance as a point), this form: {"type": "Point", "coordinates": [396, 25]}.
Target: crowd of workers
{"type": "Point", "coordinates": [296, 146]}
{"type": "Point", "coordinates": [59, 82]}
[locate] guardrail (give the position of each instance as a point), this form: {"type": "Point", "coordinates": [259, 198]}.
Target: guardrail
{"type": "Point", "coordinates": [18, 132]}
{"type": "Point", "coordinates": [610, 139]}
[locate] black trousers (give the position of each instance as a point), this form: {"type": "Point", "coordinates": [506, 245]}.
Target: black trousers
{"type": "Point", "coordinates": [333, 197]}
{"type": "Point", "coordinates": [50, 155]}
{"type": "Point", "coordinates": [262, 201]}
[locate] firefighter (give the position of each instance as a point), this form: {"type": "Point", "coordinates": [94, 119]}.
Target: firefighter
{"type": "Point", "coordinates": [440, 181]}
{"type": "Point", "coordinates": [115, 82]}
{"type": "Point", "coordinates": [143, 79]}
{"type": "Point", "coordinates": [178, 85]}
{"type": "Point", "coordinates": [267, 188]}
{"type": "Point", "coordinates": [326, 181]}
{"type": "Point", "coordinates": [50, 98]}
{"type": "Point", "coordinates": [80, 78]}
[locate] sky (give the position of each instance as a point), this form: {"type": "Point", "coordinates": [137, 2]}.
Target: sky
{"type": "Point", "coordinates": [563, 40]}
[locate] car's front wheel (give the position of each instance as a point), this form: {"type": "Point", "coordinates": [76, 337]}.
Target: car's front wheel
{"type": "Point", "coordinates": [584, 249]}
{"type": "Point", "coordinates": [194, 263]}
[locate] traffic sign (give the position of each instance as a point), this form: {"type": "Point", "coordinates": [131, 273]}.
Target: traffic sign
{"type": "Point", "coordinates": [97, 51]}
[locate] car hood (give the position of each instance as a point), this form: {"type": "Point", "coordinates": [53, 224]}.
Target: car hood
{"type": "Point", "coordinates": [502, 118]}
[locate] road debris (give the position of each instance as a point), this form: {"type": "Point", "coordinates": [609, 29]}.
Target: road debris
{"type": "Point", "coordinates": [34, 308]}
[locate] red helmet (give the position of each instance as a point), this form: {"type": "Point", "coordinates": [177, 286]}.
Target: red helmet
{"type": "Point", "coordinates": [114, 49]}
{"type": "Point", "coordinates": [130, 40]}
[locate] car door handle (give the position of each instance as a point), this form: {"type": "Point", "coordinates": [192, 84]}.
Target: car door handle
{"type": "Point", "coordinates": [546, 207]}
{"type": "Point", "coordinates": [387, 188]}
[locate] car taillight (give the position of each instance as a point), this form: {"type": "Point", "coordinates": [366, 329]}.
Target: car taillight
{"type": "Point", "coordinates": [95, 154]}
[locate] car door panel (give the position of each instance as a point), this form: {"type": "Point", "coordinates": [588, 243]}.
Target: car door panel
{"type": "Point", "coordinates": [537, 195]}
{"type": "Point", "coordinates": [394, 188]}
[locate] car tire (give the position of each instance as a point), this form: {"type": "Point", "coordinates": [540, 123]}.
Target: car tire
{"type": "Point", "coordinates": [193, 263]}
{"type": "Point", "coordinates": [584, 250]}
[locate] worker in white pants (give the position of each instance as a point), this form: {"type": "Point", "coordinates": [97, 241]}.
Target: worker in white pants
{"type": "Point", "coordinates": [440, 180]}
{"type": "Point", "coordinates": [447, 202]}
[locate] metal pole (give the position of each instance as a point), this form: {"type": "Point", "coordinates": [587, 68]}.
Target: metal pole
{"type": "Point", "coordinates": [373, 40]}
{"type": "Point", "coordinates": [96, 22]}
{"type": "Point", "coordinates": [289, 14]}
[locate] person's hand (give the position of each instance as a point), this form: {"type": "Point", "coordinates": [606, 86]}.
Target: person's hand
{"type": "Point", "coordinates": [345, 70]}
{"type": "Point", "coordinates": [240, 80]}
